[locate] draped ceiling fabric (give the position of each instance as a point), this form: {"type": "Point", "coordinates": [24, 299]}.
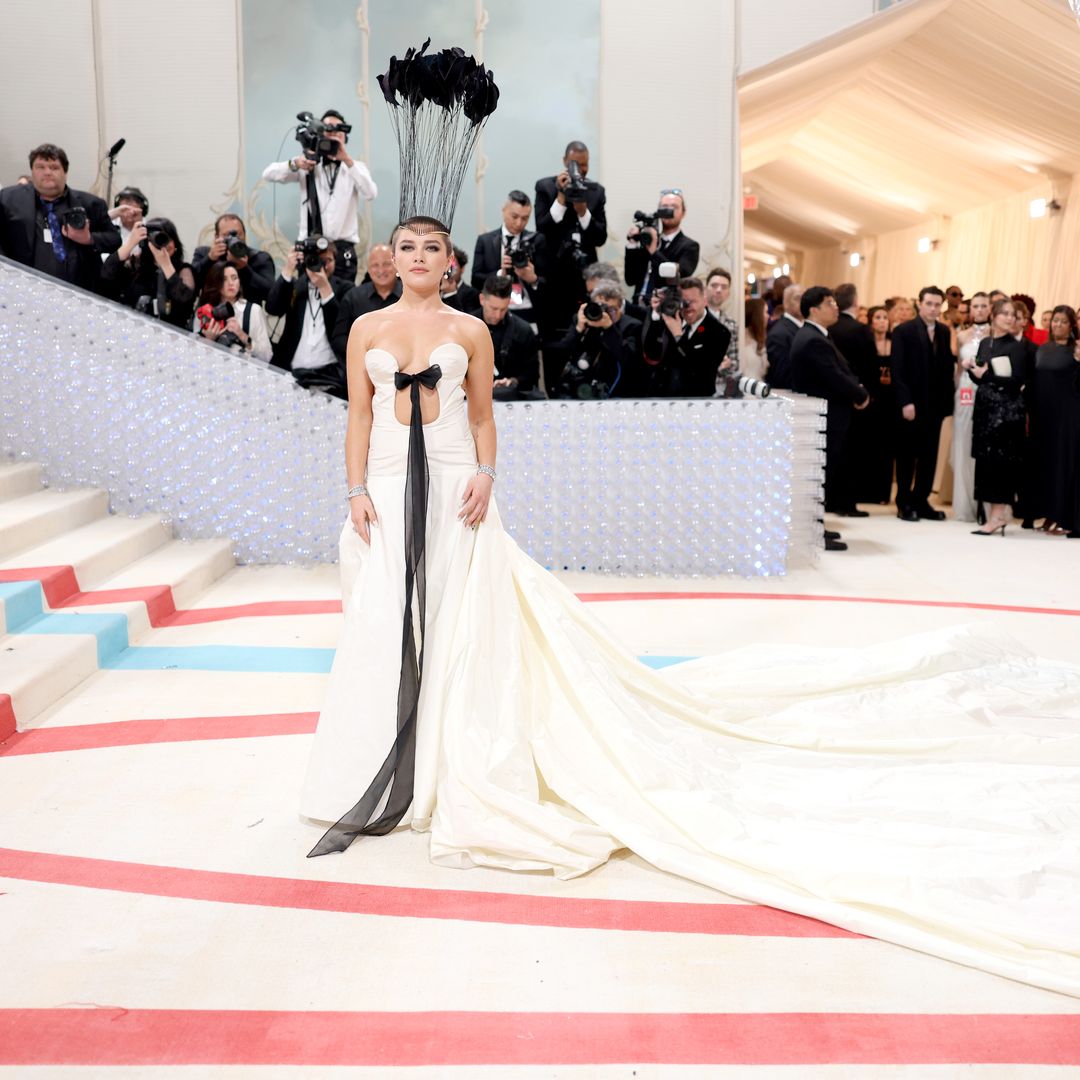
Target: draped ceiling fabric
{"type": "Point", "coordinates": [937, 118]}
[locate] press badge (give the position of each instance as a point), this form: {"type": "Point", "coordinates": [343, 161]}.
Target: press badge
{"type": "Point", "coordinates": [46, 236]}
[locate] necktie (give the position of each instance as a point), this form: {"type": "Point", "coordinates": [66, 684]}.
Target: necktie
{"type": "Point", "coordinates": [396, 772]}
{"type": "Point", "coordinates": [54, 230]}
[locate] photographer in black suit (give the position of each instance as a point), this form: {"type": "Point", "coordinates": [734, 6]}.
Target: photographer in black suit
{"type": "Point", "coordinates": [256, 268]}
{"type": "Point", "coordinates": [571, 217]}
{"type": "Point", "coordinates": [818, 369]}
{"type": "Point", "coordinates": [922, 374]}
{"type": "Point", "coordinates": [47, 225]}
{"type": "Point", "coordinates": [603, 347]}
{"type": "Point", "coordinates": [517, 348]}
{"type": "Point", "coordinates": [658, 238]}
{"type": "Point", "coordinates": [514, 251]}
{"type": "Point", "coordinates": [379, 289]}
{"type": "Point", "coordinates": [683, 346]}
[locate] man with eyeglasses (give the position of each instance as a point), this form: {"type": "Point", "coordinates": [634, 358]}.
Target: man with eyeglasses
{"type": "Point", "coordinates": [647, 247]}
{"type": "Point", "coordinates": [330, 193]}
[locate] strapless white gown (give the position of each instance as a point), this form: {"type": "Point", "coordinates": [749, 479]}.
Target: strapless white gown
{"type": "Point", "coordinates": [963, 464]}
{"type": "Point", "coordinates": [926, 792]}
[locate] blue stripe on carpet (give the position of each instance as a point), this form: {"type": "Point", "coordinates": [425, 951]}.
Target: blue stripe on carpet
{"type": "Point", "coordinates": [664, 661]}
{"type": "Point", "coordinates": [22, 601]}
{"type": "Point", "coordinates": [257, 658]}
{"type": "Point", "coordinates": [110, 630]}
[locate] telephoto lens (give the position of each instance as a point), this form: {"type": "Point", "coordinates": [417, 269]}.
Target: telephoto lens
{"type": "Point", "coordinates": [594, 312]}
{"type": "Point", "coordinates": [753, 387]}
{"type": "Point", "coordinates": [75, 218]}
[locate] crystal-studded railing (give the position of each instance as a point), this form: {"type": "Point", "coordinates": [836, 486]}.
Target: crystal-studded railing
{"type": "Point", "coordinates": [223, 446]}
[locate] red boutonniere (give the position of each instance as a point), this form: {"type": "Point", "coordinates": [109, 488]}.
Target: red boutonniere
{"type": "Point", "coordinates": [700, 329]}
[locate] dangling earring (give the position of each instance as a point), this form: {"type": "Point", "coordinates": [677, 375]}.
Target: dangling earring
{"type": "Point", "coordinates": [449, 273]}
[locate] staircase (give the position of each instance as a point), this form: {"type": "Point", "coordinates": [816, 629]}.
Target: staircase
{"type": "Point", "coordinates": [79, 586]}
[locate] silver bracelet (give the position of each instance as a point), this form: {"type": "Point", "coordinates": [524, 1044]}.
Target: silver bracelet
{"type": "Point", "coordinates": [487, 470]}
{"type": "Point", "coordinates": [354, 491]}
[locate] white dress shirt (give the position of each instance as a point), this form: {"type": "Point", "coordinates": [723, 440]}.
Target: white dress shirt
{"type": "Point", "coordinates": [558, 212]}
{"type": "Point", "coordinates": [313, 349]}
{"type": "Point", "coordinates": [339, 202]}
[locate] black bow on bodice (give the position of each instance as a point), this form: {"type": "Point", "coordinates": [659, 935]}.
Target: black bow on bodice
{"type": "Point", "coordinates": [396, 771]}
{"type": "Point", "coordinates": [428, 378]}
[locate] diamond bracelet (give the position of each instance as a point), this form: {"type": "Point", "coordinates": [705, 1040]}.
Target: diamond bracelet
{"type": "Point", "coordinates": [354, 491]}
{"type": "Point", "coordinates": [487, 470]}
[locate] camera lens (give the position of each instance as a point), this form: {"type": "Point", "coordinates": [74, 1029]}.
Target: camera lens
{"type": "Point", "coordinates": [594, 311]}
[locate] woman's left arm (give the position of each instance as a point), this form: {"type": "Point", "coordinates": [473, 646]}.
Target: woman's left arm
{"type": "Point", "coordinates": [478, 383]}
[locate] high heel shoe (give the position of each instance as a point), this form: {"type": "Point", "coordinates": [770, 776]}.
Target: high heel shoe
{"type": "Point", "coordinates": [990, 532]}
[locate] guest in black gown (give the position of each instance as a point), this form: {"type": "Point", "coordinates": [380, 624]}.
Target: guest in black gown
{"type": "Point", "coordinates": [1055, 429]}
{"type": "Point", "coordinates": [874, 461]}
{"type": "Point", "coordinates": [1001, 370]}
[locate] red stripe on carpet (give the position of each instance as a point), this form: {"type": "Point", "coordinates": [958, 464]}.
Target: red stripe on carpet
{"type": "Point", "coordinates": [116, 1036]}
{"type": "Point", "coordinates": [158, 600]}
{"type": "Point", "coordinates": [399, 902]}
{"type": "Point", "coordinates": [193, 616]}
{"type": "Point", "coordinates": [57, 582]}
{"type": "Point", "coordinates": [7, 717]}
{"type": "Point", "coordinates": [140, 732]}
{"type": "Point", "coordinates": [595, 598]}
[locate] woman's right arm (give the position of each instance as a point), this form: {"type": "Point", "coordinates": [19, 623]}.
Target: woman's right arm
{"type": "Point", "coordinates": [358, 429]}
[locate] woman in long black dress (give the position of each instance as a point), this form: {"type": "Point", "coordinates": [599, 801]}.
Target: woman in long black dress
{"type": "Point", "coordinates": [874, 461]}
{"type": "Point", "coordinates": [1055, 401]}
{"type": "Point", "coordinates": [1001, 369]}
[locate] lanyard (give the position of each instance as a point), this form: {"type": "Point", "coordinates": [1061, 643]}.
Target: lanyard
{"type": "Point", "coordinates": [314, 311]}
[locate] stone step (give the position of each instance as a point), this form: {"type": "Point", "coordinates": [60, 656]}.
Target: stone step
{"type": "Point", "coordinates": [19, 478]}
{"type": "Point", "coordinates": [29, 520]}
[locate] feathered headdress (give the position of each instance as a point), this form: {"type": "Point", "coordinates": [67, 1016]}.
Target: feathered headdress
{"type": "Point", "coordinates": [438, 106]}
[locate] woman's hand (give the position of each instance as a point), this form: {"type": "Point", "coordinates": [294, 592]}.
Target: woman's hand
{"type": "Point", "coordinates": [474, 503]}
{"type": "Point", "coordinates": [362, 512]}
{"type": "Point", "coordinates": [135, 237]}
{"type": "Point", "coordinates": [213, 330]}
{"type": "Point", "coordinates": [233, 325]}
{"type": "Point", "coordinates": [163, 259]}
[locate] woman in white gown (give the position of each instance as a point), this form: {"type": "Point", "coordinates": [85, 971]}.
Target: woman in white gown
{"type": "Point", "coordinates": [926, 792]}
{"type": "Point", "coordinates": [963, 464]}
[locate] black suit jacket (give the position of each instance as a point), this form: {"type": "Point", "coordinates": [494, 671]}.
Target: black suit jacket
{"type": "Point", "coordinates": [683, 367]}
{"type": "Point", "coordinates": [517, 352]}
{"type": "Point", "coordinates": [487, 255]}
{"type": "Point", "coordinates": [356, 300]}
{"type": "Point", "coordinates": [256, 278]}
{"type": "Point", "coordinates": [466, 299]}
{"type": "Point", "coordinates": [614, 356]}
{"type": "Point", "coordinates": [778, 347]}
{"type": "Point", "coordinates": [555, 232]}
{"type": "Point", "coordinates": [819, 369]}
{"type": "Point", "coordinates": [922, 372]}
{"type": "Point", "coordinates": [22, 224]}
{"type": "Point", "coordinates": [285, 299]}
{"type": "Point", "coordinates": [856, 344]}
{"type": "Point", "coordinates": [637, 263]}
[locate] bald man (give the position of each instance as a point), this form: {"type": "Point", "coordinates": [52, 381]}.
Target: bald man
{"type": "Point", "coordinates": [781, 335]}
{"type": "Point", "coordinates": [379, 289]}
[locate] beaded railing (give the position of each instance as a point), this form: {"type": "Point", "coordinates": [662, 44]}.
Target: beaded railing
{"type": "Point", "coordinates": [222, 446]}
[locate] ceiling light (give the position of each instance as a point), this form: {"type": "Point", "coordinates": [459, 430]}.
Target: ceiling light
{"type": "Point", "coordinates": [855, 259]}
{"type": "Point", "coordinates": [787, 270]}
{"type": "Point", "coordinates": [1037, 208]}
{"type": "Point", "coordinates": [751, 279]}
{"type": "Point", "coordinates": [776, 272]}
{"type": "Point", "coordinates": [925, 244]}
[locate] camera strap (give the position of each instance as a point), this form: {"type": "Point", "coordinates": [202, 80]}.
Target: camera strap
{"type": "Point", "coordinates": [246, 323]}
{"type": "Point", "coordinates": [314, 214]}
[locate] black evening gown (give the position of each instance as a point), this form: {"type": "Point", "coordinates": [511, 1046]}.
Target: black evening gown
{"type": "Point", "coordinates": [875, 449]}
{"type": "Point", "coordinates": [1055, 402]}
{"type": "Point", "coordinates": [999, 420]}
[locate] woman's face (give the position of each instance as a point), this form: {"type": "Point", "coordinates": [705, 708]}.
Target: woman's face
{"type": "Point", "coordinates": [421, 260]}
{"type": "Point", "coordinates": [980, 309]}
{"type": "Point", "coordinates": [230, 284]}
{"type": "Point", "coordinates": [1005, 320]}
{"type": "Point", "coordinates": [902, 312]}
{"type": "Point", "coordinates": [1020, 324]}
{"type": "Point", "coordinates": [880, 322]}
{"type": "Point", "coordinates": [1060, 328]}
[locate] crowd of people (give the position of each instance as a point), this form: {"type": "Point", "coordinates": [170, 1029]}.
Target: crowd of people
{"type": "Point", "coordinates": [566, 325]}
{"type": "Point", "coordinates": [894, 373]}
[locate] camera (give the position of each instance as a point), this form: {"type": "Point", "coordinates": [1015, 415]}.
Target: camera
{"type": "Point", "coordinates": [522, 255]}
{"type": "Point", "coordinates": [576, 189]}
{"type": "Point", "coordinates": [159, 238]}
{"type": "Point", "coordinates": [595, 311]}
{"type": "Point", "coordinates": [312, 136]}
{"type": "Point", "coordinates": [671, 297]}
{"type": "Point", "coordinates": [753, 387]}
{"type": "Point", "coordinates": [223, 312]}
{"type": "Point", "coordinates": [311, 251]}
{"type": "Point", "coordinates": [571, 251]}
{"type": "Point", "coordinates": [579, 380]}
{"type": "Point", "coordinates": [235, 246]}
{"type": "Point", "coordinates": [75, 218]}
{"type": "Point", "coordinates": [220, 313]}
{"type": "Point", "coordinates": [651, 221]}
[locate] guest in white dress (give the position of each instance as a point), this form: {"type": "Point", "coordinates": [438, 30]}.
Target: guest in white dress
{"type": "Point", "coordinates": [753, 359]}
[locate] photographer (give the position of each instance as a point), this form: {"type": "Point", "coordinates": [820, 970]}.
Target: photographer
{"type": "Point", "coordinates": [683, 346]}
{"type": "Point", "coordinates": [517, 351]}
{"type": "Point", "coordinates": [224, 316]}
{"type": "Point", "coordinates": [331, 186]}
{"type": "Point", "coordinates": [256, 268]}
{"type": "Point", "coordinates": [379, 290]}
{"type": "Point", "coordinates": [53, 228]}
{"type": "Point", "coordinates": [717, 295]}
{"type": "Point", "coordinates": [148, 273]}
{"type": "Point", "coordinates": [129, 208]}
{"type": "Point", "coordinates": [513, 250]}
{"type": "Point", "coordinates": [308, 295]}
{"type": "Point", "coordinates": [602, 345]}
{"type": "Point", "coordinates": [571, 217]}
{"type": "Point", "coordinates": [658, 238]}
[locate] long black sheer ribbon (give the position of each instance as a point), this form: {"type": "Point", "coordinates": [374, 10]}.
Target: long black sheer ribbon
{"type": "Point", "coordinates": [397, 770]}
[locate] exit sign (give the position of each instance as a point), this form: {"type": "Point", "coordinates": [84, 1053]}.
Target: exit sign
{"type": "Point", "coordinates": [749, 202]}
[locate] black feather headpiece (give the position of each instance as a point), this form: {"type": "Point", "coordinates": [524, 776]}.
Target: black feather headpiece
{"type": "Point", "coordinates": [438, 105]}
